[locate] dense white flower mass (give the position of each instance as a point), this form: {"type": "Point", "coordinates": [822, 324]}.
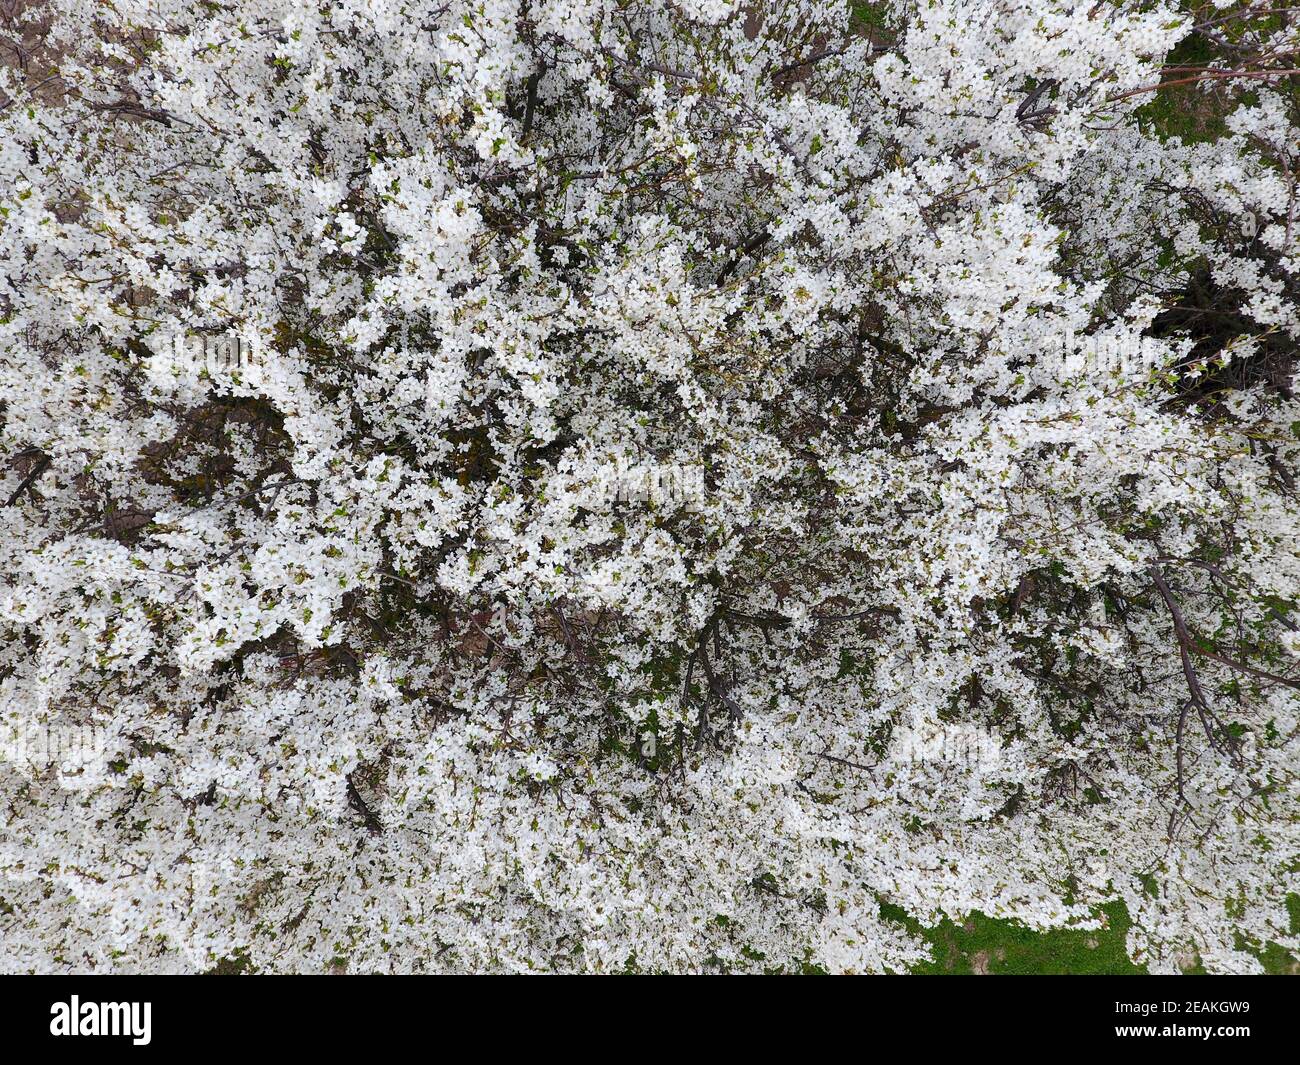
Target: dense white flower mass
{"type": "Point", "coordinates": [630, 485]}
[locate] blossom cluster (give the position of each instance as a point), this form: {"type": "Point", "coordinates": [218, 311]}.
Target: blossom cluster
{"type": "Point", "coordinates": [395, 667]}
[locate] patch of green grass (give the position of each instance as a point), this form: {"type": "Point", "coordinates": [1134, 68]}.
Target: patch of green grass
{"type": "Point", "coordinates": [864, 14]}
{"type": "Point", "coordinates": [1277, 961]}
{"type": "Point", "coordinates": [988, 946]}
{"type": "Point", "coordinates": [1186, 111]}
{"type": "Point", "coordinates": [236, 965]}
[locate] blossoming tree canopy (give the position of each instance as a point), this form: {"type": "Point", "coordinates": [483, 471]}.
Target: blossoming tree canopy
{"type": "Point", "coordinates": [674, 478]}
